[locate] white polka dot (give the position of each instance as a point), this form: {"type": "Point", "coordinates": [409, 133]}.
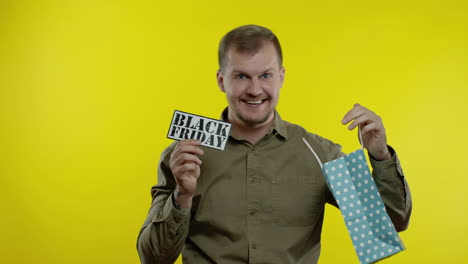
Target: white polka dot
{"type": "Point", "coordinates": [369, 242]}
{"type": "Point", "coordinates": [360, 166]}
{"type": "Point", "coordinates": [381, 254]}
{"type": "Point", "coordinates": [365, 200]}
{"type": "Point", "coordinates": [363, 226]}
{"type": "Point", "coordinates": [383, 227]}
{"type": "Point", "coordinates": [358, 211]}
{"type": "Point", "coordinates": [379, 203]}
{"type": "Point", "coordinates": [353, 178]}
{"type": "Point", "coordinates": [355, 238]}
{"type": "Point", "coordinates": [372, 187]}
{"type": "Point", "coordinates": [340, 175]}
{"type": "Point", "coordinates": [350, 214]}
{"type": "Point", "coordinates": [350, 223]}
{"type": "Point", "coordinates": [344, 208]}
{"type": "Point", "coordinates": [347, 163]}
{"type": "Point", "coordinates": [366, 181]}
{"type": "Point", "coordinates": [367, 259]}
{"type": "Point", "coordinates": [371, 214]}
{"type": "Point", "coordinates": [346, 172]}
{"type": "Point", "coordinates": [359, 202]}
{"type": "Point", "coordinates": [365, 190]}
{"type": "Point", "coordinates": [338, 192]}
{"type": "Point", "coordinates": [375, 256]}
{"type": "Point", "coordinates": [345, 190]}
{"type": "Point", "coordinates": [384, 217]}
{"type": "Point", "coordinates": [365, 172]}
{"type": "Point", "coordinates": [361, 253]}
{"type": "Point", "coordinates": [377, 212]}
{"type": "Point", "coordinates": [359, 175]}
{"type": "Point", "coordinates": [377, 221]}
{"type": "Point", "coordinates": [351, 205]}
{"type": "Point", "coordinates": [372, 206]}
{"type": "Point", "coordinates": [352, 187]}
{"type": "Point", "coordinates": [370, 233]}
{"type": "Point", "coordinates": [390, 250]}
{"type": "Point", "coordinates": [339, 184]}
{"type": "Point", "coordinates": [377, 230]}
{"type": "Point", "coordinates": [359, 184]}
{"type": "Point", "coordinates": [346, 181]}
{"type": "Point", "coordinates": [359, 193]}
{"type": "Point", "coordinates": [332, 177]}
{"type": "Point", "coordinates": [360, 157]}
{"type": "Point", "coordinates": [333, 169]}
{"type": "Point", "coordinates": [353, 169]}
{"type": "Point", "coordinates": [340, 166]}
{"type": "Point", "coordinates": [363, 236]}
{"type": "Point", "coordinates": [345, 199]}
{"type": "Point", "coordinates": [368, 251]}
{"type": "Point", "coordinates": [356, 229]}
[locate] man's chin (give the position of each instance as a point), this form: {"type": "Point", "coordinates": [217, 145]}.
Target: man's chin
{"type": "Point", "coordinates": [253, 120]}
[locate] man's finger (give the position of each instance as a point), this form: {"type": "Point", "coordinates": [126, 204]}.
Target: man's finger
{"type": "Point", "coordinates": [352, 114]}
{"type": "Point", "coordinates": [185, 158]}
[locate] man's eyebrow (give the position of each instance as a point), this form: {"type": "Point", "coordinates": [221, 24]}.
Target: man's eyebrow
{"type": "Point", "coordinates": [244, 73]}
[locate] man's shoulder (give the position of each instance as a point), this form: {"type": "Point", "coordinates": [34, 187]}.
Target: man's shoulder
{"type": "Point", "coordinates": [318, 142]}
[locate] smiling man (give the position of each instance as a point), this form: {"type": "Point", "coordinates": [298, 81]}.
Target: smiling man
{"type": "Point", "coordinates": [262, 199]}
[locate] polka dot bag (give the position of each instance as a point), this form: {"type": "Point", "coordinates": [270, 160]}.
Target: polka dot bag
{"type": "Point", "coordinates": [372, 232]}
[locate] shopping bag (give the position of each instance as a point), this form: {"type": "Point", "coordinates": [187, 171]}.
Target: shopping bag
{"type": "Point", "coordinates": [372, 232]}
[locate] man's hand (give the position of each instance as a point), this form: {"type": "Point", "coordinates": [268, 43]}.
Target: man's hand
{"type": "Point", "coordinates": [372, 131]}
{"type": "Point", "coordinates": [185, 166]}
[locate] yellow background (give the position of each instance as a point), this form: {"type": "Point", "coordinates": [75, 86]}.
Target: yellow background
{"type": "Point", "coordinates": [87, 90]}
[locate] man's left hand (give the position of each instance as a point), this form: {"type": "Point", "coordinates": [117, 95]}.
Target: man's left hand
{"type": "Point", "coordinates": [372, 131]}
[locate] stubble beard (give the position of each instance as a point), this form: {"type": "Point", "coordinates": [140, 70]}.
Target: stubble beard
{"type": "Point", "coordinates": [254, 122]}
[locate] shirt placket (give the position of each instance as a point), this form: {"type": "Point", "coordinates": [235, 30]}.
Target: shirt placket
{"type": "Point", "coordinates": [253, 200]}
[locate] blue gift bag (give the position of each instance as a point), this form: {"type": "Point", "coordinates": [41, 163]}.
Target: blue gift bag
{"type": "Point", "coordinates": [372, 232]}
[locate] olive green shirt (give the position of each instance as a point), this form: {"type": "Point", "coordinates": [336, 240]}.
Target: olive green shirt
{"type": "Point", "coordinates": [261, 203]}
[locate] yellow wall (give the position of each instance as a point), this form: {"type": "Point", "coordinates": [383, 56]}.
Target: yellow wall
{"type": "Point", "coordinates": [87, 90]}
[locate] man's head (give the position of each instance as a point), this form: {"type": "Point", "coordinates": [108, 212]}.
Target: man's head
{"type": "Point", "coordinates": [251, 74]}
{"type": "Point", "coordinates": [247, 39]}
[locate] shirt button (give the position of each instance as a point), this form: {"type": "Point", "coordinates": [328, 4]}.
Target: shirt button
{"type": "Point", "coordinates": [252, 179]}
{"type": "Point", "coordinates": [252, 212]}
{"type": "Point", "coordinates": [254, 246]}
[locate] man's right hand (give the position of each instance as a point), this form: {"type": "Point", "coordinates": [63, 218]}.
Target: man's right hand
{"type": "Point", "coordinates": [185, 166]}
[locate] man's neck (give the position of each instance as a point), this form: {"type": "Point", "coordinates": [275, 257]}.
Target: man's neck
{"type": "Point", "coordinates": [251, 133]}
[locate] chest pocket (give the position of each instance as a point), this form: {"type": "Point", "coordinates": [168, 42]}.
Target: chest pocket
{"type": "Point", "coordinates": [297, 200]}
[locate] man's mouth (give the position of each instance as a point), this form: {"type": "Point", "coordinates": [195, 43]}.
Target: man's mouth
{"type": "Point", "coordinates": [254, 102]}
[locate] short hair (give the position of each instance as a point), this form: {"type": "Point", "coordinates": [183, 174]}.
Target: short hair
{"type": "Point", "coordinates": [247, 39]}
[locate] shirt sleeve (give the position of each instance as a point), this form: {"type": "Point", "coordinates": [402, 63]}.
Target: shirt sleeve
{"type": "Point", "coordinates": [394, 189]}
{"type": "Point", "coordinates": [162, 237]}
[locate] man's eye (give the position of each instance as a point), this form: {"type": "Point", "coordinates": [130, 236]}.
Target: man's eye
{"type": "Point", "coordinates": [266, 75]}
{"type": "Point", "coordinates": [241, 76]}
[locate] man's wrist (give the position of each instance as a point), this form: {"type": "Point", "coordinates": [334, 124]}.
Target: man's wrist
{"type": "Point", "coordinates": [181, 200]}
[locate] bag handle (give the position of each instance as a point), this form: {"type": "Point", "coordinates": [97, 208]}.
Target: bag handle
{"type": "Point", "coordinates": [317, 157]}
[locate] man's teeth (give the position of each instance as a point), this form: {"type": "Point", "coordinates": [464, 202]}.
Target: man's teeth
{"type": "Point", "coordinates": [255, 102]}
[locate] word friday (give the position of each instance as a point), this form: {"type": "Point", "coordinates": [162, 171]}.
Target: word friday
{"type": "Point", "coordinates": [210, 132]}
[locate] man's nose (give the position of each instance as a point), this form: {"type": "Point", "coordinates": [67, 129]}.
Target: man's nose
{"type": "Point", "coordinates": [254, 88]}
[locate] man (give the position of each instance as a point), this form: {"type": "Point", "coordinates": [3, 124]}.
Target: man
{"type": "Point", "coordinates": [262, 199]}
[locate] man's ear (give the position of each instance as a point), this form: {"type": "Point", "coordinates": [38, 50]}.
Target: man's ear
{"type": "Point", "coordinates": [282, 72]}
{"type": "Point", "coordinates": [220, 79]}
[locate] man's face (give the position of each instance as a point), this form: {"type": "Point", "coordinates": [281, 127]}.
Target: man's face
{"type": "Point", "coordinates": [252, 83]}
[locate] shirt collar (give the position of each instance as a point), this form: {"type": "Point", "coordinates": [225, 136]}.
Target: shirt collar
{"type": "Point", "coordinates": [277, 127]}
